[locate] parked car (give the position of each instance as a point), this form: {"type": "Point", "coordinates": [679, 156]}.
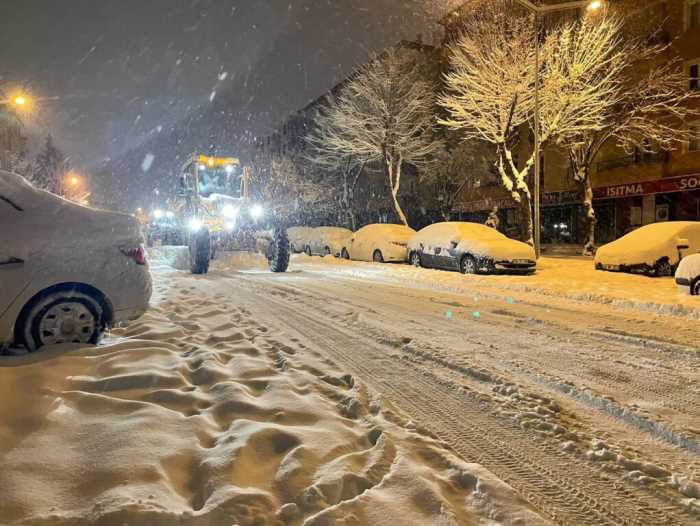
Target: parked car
{"type": "Point", "coordinates": [379, 242]}
{"type": "Point", "coordinates": [654, 249]}
{"type": "Point", "coordinates": [688, 275]}
{"type": "Point", "coordinates": [327, 241]}
{"type": "Point", "coordinates": [67, 272]}
{"type": "Point", "coordinates": [470, 248]}
{"type": "Point", "coordinates": [299, 238]}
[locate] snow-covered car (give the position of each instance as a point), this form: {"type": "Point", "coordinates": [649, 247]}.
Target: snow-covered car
{"type": "Point", "coordinates": [654, 249]}
{"type": "Point", "coordinates": [327, 240]}
{"type": "Point", "coordinates": [470, 248]}
{"type": "Point", "coordinates": [379, 242]}
{"type": "Point", "coordinates": [688, 275]}
{"type": "Point", "coordinates": [299, 238]}
{"type": "Point", "coordinates": [67, 272]}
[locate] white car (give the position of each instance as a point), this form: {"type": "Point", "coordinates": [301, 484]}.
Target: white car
{"type": "Point", "coordinates": [299, 238]}
{"type": "Point", "coordinates": [67, 272]}
{"type": "Point", "coordinates": [379, 242]}
{"type": "Point", "coordinates": [688, 275]}
{"type": "Point", "coordinates": [654, 249]}
{"type": "Point", "coordinates": [470, 248]}
{"type": "Point", "coordinates": [327, 241]}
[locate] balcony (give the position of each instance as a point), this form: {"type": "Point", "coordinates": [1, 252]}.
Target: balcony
{"type": "Point", "coordinates": [634, 159]}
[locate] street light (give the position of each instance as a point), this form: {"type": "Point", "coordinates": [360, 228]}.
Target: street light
{"type": "Point", "coordinates": [537, 10]}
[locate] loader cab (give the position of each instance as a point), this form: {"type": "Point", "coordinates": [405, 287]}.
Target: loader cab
{"type": "Point", "coordinates": [203, 176]}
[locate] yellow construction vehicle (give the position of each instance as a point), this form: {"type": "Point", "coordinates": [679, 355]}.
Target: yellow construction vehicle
{"type": "Point", "coordinates": [213, 211]}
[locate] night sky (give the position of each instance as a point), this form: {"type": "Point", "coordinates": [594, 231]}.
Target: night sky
{"type": "Point", "coordinates": [117, 73]}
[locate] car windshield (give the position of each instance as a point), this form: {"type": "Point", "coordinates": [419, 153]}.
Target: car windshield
{"type": "Point", "coordinates": [220, 180]}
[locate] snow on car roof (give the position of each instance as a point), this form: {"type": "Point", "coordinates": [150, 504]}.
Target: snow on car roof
{"type": "Point", "coordinates": [389, 228]}
{"type": "Point", "coordinates": [463, 229]}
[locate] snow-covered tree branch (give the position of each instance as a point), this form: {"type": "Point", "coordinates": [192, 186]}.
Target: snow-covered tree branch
{"type": "Point", "coordinates": [642, 110]}
{"type": "Point", "coordinates": [291, 191]}
{"type": "Point", "coordinates": [491, 92]}
{"type": "Point", "coordinates": [385, 114]}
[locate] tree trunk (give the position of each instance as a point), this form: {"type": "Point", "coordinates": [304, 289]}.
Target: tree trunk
{"type": "Point", "coordinates": [526, 219]}
{"type": "Point", "coordinates": [394, 172]}
{"type": "Point", "coordinates": [591, 219]}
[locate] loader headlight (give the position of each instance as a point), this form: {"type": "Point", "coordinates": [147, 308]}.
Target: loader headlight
{"type": "Point", "coordinates": [195, 224]}
{"type": "Point", "coordinates": [256, 211]}
{"type": "Point", "coordinates": [157, 213]}
{"type": "Point", "coordinates": [229, 211]}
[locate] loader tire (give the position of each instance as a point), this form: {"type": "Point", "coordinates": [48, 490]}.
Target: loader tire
{"type": "Point", "coordinates": [200, 251]}
{"type": "Point", "coordinates": [278, 255]}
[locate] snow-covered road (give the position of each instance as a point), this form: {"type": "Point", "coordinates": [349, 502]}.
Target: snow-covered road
{"type": "Point", "coordinates": [587, 404]}
{"type": "Point", "coordinates": [344, 393]}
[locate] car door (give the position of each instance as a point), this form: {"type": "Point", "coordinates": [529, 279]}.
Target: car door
{"type": "Point", "coordinates": [443, 256]}
{"type": "Point", "coordinates": [14, 273]}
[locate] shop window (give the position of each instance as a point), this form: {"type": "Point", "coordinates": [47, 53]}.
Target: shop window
{"type": "Point", "coordinates": [694, 143]}
{"type": "Point", "coordinates": [694, 75]}
{"type": "Point", "coordinates": [692, 15]}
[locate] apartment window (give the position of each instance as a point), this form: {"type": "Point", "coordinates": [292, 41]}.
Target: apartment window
{"type": "Point", "coordinates": [692, 10]}
{"type": "Point", "coordinates": [694, 143]}
{"type": "Point", "coordinates": [694, 74]}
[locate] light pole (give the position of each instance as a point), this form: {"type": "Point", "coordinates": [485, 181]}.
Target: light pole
{"type": "Point", "coordinates": [537, 10]}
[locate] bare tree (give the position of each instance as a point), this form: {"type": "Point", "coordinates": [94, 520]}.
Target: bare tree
{"type": "Point", "coordinates": [290, 190]}
{"type": "Point", "coordinates": [345, 169]}
{"type": "Point", "coordinates": [491, 86]}
{"type": "Point", "coordinates": [456, 170]}
{"type": "Point", "coordinates": [647, 109]}
{"type": "Point", "coordinates": [384, 114]}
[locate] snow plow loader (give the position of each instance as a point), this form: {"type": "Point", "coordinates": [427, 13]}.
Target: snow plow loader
{"type": "Point", "coordinates": [213, 211]}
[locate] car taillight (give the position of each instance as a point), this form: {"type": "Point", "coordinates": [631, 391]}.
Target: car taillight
{"type": "Point", "coordinates": [137, 254]}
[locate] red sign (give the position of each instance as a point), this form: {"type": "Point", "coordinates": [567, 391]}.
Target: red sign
{"type": "Point", "coordinates": [660, 186]}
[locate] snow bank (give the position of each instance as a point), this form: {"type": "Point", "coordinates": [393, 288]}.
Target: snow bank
{"type": "Point", "coordinates": [197, 414]}
{"type": "Point", "coordinates": [567, 278]}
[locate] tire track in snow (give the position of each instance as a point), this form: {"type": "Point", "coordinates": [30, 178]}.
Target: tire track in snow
{"type": "Point", "coordinates": [561, 486]}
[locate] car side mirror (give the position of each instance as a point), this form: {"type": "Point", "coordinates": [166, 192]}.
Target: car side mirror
{"type": "Point", "coordinates": [683, 244]}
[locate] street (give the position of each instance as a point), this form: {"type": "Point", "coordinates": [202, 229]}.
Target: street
{"type": "Point", "coordinates": [344, 392]}
{"type": "Point", "coordinates": [588, 410]}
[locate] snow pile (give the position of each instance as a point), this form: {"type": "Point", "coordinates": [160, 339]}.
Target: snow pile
{"type": "Point", "coordinates": [566, 278]}
{"type": "Point", "coordinates": [198, 414]}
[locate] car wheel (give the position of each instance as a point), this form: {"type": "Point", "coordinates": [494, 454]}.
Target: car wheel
{"type": "Point", "coordinates": [415, 259]}
{"type": "Point", "coordinates": [695, 288]}
{"type": "Point", "coordinates": [468, 265]}
{"type": "Point", "coordinates": [663, 268]}
{"type": "Point", "coordinates": [327, 251]}
{"type": "Point", "coordinates": [62, 317]}
{"type": "Point", "coordinates": [345, 254]}
{"type": "Point", "coordinates": [307, 250]}
{"type": "Point", "coordinates": [377, 256]}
